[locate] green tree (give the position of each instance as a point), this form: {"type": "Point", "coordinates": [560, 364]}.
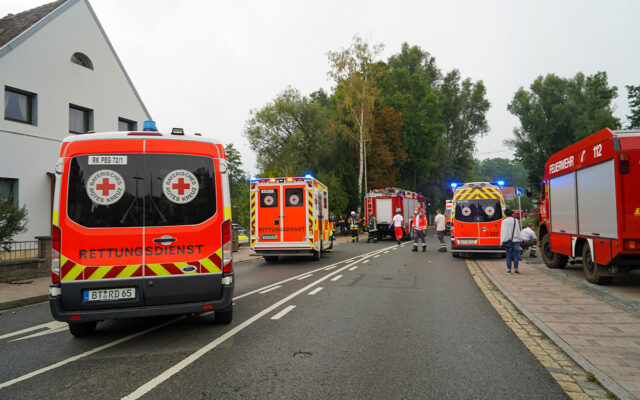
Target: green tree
{"type": "Point", "coordinates": [555, 113]}
{"type": "Point", "coordinates": [289, 134]}
{"type": "Point", "coordinates": [13, 220]}
{"type": "Point", "coordinates": [493, 169]}
{"type": "Point", "coordinates": [238, 186]}
{"type": "Point", "coordinates": [356, 75]}
{"type": "Point", "coordinates": [633, 95]}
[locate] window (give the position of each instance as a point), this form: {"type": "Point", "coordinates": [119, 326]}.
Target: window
{"type": "Point", "coordinates": [9, 191]}
{"type": "Point", "coordinates": [268, 197]}
{"type": "Point", "coordinates": [82, 59]}
{"type": "Point", "coordinates": [80, 119]}
{"type": "Point", "coordinates": [19, 105]}
{"type": "Point", "coordinates": [127, 125]}
{"type": "Point", "coordinates": [294, 197]}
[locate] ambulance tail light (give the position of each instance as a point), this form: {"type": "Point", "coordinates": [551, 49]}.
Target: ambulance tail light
{"type": "Point", "coordinates": [623, 163]}
{"type": "Point", "coordinates": [631, 244]}
{"type": "Point", "coordinates": [227, 260]}
{"type": "Point", "coordinates": [55, 255]}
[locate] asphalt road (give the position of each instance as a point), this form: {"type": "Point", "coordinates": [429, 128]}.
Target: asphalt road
{"type": "Point", "coordinates": [367, 321]}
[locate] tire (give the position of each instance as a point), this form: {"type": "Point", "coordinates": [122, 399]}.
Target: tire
{"type": "Point", "coordinates": [317, 254]}
{"type": "Point", "coordinates": [223, 317]}
{"type": "Point", "coordinates": [80, 329]}
{"type": "Point", "coordinates": [553, 260]}
{"type": "Point", "coordinates": [455, 254]}
{"type": "Point", "coordinates": [270, 258]}
{"type": "Point", "coordinates": [331, 245]}
{"type": "Point", "coordinates": [590, 268]}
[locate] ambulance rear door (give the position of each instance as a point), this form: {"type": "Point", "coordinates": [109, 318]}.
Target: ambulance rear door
{"type": "Point", "coordinates": [184, 213]}
{"type": "Point", "coordinates": [101, 218]}
{"type": "Point", "coordinates": [294, 214]}
{"type": "Point", "coordinates": [465, 222]}
{"type": "Point", "coordinates": [489, 221]}
{"type": "Point", "coordinates": [268, 214]}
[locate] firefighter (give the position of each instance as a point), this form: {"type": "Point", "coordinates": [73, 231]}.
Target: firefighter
{"type": "Point", "coordinates": [440, 228]}
{"type": "Point", "coordinates": [372, 229]}
{"type": "Point", "coordinates": [354, 225]}
{"type": "Point", "coordinates": [419, 222]}
{"type": "Point", "coordinates": [398, 222]}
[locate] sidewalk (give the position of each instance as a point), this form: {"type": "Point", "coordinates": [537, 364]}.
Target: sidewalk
{"type": "Point", "coordinates": [36, 290]}
{"type": "Point", "coordinates": [602, 339]}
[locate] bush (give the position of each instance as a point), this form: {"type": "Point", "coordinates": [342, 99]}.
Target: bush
{"type": "Point", "coordinates": [12, 221]}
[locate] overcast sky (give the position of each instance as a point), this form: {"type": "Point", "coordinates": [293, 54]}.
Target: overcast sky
{"type": "Point", "coordinates": [203, 65]}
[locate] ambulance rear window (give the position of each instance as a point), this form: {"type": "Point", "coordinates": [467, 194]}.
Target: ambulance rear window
{"type": "Point", "coordinates": [141, 190]}
{"type": "Point", "coordinates": [482, 210]}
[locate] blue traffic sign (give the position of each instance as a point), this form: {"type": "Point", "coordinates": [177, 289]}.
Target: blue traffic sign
{"type": "Point", "coordinates": [519, 191]}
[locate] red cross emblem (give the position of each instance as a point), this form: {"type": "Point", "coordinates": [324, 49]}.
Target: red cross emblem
{"type": "Point", "coordinates": [181, 186]}
{"type": "Point", "coordinates": [105, 186]}
{"type": "Point", "coordinates": [466, 211]}
{"type": "Point", "coordinates": [268, 200]}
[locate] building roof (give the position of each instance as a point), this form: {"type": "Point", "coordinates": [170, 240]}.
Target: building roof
{"type": "Point", "coordinates": [13, 25]}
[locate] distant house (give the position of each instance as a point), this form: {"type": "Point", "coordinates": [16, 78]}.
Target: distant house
{"type": "Point", "coordinates": [59, 76]}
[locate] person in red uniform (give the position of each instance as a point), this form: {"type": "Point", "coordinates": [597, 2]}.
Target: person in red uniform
{"type": "Point", "coordinates": [419, 222]}
{"type": "Point", "coordinates": [398, 222]}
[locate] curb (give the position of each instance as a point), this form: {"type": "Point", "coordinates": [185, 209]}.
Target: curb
{"type": "Point", "coordinates": [604, 379]}
{"type": "Point", "coordinates": [8, 305]}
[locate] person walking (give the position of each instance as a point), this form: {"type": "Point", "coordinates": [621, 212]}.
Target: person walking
{"type": "Point", "coordinates": [341, 224]}
{"type": "Point", "coordinates": [510, 240]}
{"type": "Point", "coordinates": [529, 239]}
{"type": "Point", "coordinates": [440, 229]}
{"type": "Point", "coordinates": [398, 222]}
{"type": "Point", "coordinates": [372, 229]}
{"type": "Point", "coordinates": [354, 225]}
{"type": "Point", "coordinates": [419, 222]}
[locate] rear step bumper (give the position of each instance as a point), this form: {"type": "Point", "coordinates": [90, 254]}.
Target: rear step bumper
{"type": "Point", "coordinates": [60, 314]}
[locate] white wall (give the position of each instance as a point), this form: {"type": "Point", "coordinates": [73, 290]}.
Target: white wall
{"type": "Point", "coordinates": [41, 64]}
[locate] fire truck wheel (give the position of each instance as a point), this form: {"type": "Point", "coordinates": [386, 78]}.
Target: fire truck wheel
{"type": "Point", "coordinates": [223, 317]}
{"type": "Point", "coordinates": [271, 258]}
{"type": "Point", "coordinates": [80, 329]}
{"type": "Point", "coordinates": [590, 268]}
{"type": "Point", "coordinates": [553, 260]}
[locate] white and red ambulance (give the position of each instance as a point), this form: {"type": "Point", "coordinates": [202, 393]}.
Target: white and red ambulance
{"type": "Point", "coordinates": [141, 227]}
{"type": "Point", "coordinates": [290, 217]}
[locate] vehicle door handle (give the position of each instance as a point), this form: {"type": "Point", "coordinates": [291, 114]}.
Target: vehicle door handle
{"type": "Point", "coordinates": [484, 229]}
{"type": "Point", "coordinates": [164, 239]}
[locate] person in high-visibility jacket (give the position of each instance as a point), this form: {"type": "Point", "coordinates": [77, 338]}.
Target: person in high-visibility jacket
{"type": "Point", "coordinates": [419, 222]}
{"type": "Point", "coordinates": [354, 225]}
{"type": "Point", "coordinates": [372, 229]}
{"type": "Point", "coordinates": [398, 222]}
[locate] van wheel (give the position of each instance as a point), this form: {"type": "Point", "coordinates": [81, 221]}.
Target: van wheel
{"type": "Point", "coordinates": [553, 260]}
{"type": "Point", "coordinates": [79, 329]}
{"type": "Point", "coordinates": [590, 268]}
{"type": "Point", "coordinates": [223, 317]}
{"type": "Point", "coordinates": [330, 245]}
{"type": "Point", "coordinates": [271, 258]}
{"type": "Point", "coordinates": [455, 254]}
{"type": "Point", "coordinates": [317, 254]}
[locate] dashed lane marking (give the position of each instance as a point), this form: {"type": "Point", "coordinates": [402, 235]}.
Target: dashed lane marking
{"type": "Point", "coordinates": [314, 291]}
{"type": "Point", "coordinates": [335, 278]}
{"type": "Point", "coordinates": [376, 256]}
{"type": "Point", "coordinates": [305, 277]}
{"type": "Point", "coordinates": [283, 312]}
{"type": "Point", "coordinates": [270, 289]}
{"type": "Point", "coordinates": [385, 252]}
{"type": "Point", "coordinates": [352, 268]}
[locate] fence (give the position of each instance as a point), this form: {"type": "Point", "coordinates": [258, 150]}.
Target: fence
{"type": "Point", "coordinates": [26, 260]}
{"type": "Point", "coordinates": [20, 250]}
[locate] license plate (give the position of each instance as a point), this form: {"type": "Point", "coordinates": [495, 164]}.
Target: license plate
{"type": "Point", "coordinates": [109, 294]}
{"type": "Point", "coordinates": [472, 241]}
{"type": "Point", "coordinates": [269, 237]}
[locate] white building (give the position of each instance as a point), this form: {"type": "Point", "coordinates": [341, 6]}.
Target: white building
{"type": "Point", "coordinates": [59, 76]}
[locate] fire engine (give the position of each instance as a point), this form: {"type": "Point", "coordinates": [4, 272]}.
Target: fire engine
{"type": "Point", "coordinates": [448, 210]}
{"type": "Point", "coordinates": [290, 217]}
{"type": "Point", "coordinates": [141, 227]}
{"type": "Point", "coordinates": [382, 203]}
{"type": "Point", "coordinates": [590, 205]}
{"type": "Point", "coordinates": [476, 218]}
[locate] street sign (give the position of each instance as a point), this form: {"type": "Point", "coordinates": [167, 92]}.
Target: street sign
{"type": "Point", "coordinates": [519, 191]}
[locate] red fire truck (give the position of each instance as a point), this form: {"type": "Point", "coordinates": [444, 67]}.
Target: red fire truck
{"type": "Point", "coordinates": [382, 203]}
{"type": "Point", "coordinates": [290, 217]}
{"type": "Point", "coordinates": [590, 205]}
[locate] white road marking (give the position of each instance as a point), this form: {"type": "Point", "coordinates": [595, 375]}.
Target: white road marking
{"type": "Point", "coordinates": [86, 353]}
{"type": "Point", "coordinates": [305, 277]}
{"type": "Point", "coordinates": [270, 289]}
{"type": "Point", "coordinates": [385, 252]}
{"type": "Point", "coordinates": [49, 326]}
{"type": "Point", "coordinates": [376, 256]}
{"type": "Point", "coordinates": [352, 268]}
{"type": "Point", "coordinates": [47, 332]}
{"type": "Point", "coordinates": [316, 290]}
{"type": "Point", "coordinates": [153, 383]}
{"type": "Point", "coordinates": [331, 267]}
{"type": "Point", "coordinates": [335, 278]}
{"type": "Point", "coordinates": [283, 312]}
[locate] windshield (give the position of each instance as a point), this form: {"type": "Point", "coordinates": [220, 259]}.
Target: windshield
{"type": "Point", "coordinates": [483, 210]}
{"type": "Point", "coordinates": [141, 190]}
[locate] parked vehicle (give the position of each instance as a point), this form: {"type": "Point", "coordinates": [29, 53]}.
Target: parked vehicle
{"type": "Point", "coordinates": [243, 236]}
{"type": "Point", "coordinates": [382, 203]}
{"type": "Point", "coordinates": [141, 227]}
{"type": "Point", "coordinates": [448, 210]}
{"type": "Point", "coordinates": [476, 218]}
{"type": "Point", "coordinates": [290, 217]}
{"type": "Point", "coordinates": [590, 205]}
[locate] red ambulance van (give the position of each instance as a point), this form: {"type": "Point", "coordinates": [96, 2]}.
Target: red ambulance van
{"type": "Point", "coordinates": [141, 227]}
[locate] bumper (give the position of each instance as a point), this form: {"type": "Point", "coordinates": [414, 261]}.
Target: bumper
{"type": "Point", "coordinates": [60, 314]}
{"type": "Point", "coordinates": [471, 248]}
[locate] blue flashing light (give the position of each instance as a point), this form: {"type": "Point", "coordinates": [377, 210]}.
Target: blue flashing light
{"type": "Point", "coordinates": [308, 176]}
{"type": "Point", "coordinates": [253, 179]}
{"type": "Point", "coordinates": [454, 185]}
{"type": "Point", "coordinates": [500, 183]}
{"type": "Point", "coordinates": [149, 126]}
